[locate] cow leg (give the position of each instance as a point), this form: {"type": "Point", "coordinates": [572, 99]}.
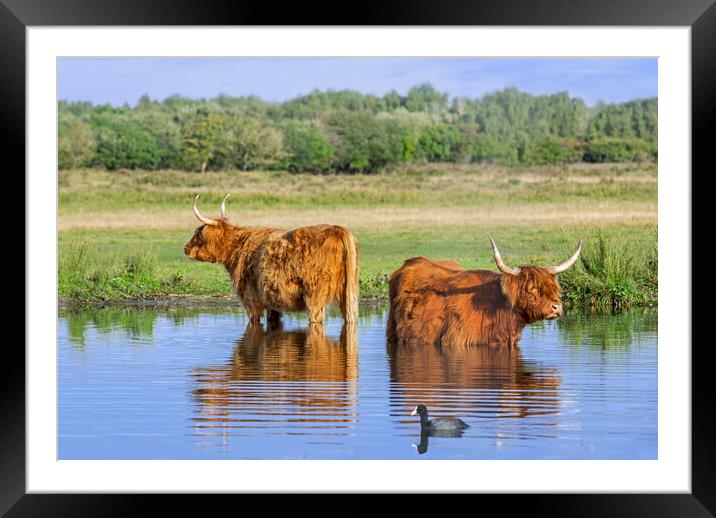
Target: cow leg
{"type": "Point", "coordinates": [390, 331]}
{"type": "Point", "coordinates": [315, 311]}
{"type": "Point", "coordinates": [254, 314]}
{"type": "Point", "coordinates": [344, 308]}
{"type": "Point", "coordinates": [253, 310]}
{"type": "Point", "coordinates": [342, 304]}
{"type": "Point", "coordinates": [315, 315]}
{"type": "Point", "coordinates": [273, 316]}
{"type": "Point", "coordinates": [274, 325]}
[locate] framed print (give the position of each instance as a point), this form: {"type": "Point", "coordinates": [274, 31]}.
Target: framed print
{"type": "Point", "coordinates": [171, 399]}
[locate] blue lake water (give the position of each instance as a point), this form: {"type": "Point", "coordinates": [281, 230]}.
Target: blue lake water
{"type": "Point", "coordinates": [201, 383]}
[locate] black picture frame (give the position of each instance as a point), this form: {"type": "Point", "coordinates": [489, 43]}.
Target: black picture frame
{"type": "Point", "coordinates": [700, 15]}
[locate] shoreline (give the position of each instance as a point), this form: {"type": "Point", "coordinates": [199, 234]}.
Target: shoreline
{"type": "Point", "coordinates": [226, 301]}
{"type": "Point", "coordinates": [182, 301]}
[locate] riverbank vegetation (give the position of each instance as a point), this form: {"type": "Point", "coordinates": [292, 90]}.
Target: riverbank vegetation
{"type": "Point", "coordinates": [121, 233]}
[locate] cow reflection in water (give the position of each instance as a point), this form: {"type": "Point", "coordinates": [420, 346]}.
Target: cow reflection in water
{"type": "Point", "coordinates": [471, 382]}
{"type": "Point", "coordinates": [281, 379]}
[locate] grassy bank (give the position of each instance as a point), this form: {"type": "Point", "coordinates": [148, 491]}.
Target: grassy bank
{"type": "Point", "coordinates": [121, 234]}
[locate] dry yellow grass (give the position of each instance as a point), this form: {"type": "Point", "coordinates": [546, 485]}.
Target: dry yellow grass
{"type": "Point", "coordinates": [424, 185]}
{"type": "Point", "coordinates": [552, 214]}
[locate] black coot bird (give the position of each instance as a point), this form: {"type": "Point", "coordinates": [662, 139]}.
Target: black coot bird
{"type": "Point", "coordinates": [439, 426]}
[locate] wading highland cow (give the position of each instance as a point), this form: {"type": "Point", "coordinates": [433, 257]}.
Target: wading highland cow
{"type": "Point", "coordinates": [274, 270]}
{"type": "Point", "coordinates": [439, 303]}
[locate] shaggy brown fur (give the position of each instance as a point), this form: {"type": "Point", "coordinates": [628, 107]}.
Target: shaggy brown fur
{"type": "Point", "coordinates": [273, 270]}
{"type": "Point", "coordinates": [439, 303]}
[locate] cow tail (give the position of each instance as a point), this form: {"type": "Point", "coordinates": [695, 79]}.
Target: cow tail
{"type": "Point", "coordinates": [351, 290]}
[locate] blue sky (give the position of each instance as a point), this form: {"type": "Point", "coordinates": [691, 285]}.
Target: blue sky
{"type": "Point", "coordinates": [124, 80]}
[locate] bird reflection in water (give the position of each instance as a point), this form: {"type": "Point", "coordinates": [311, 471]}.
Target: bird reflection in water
{"type": "Point", "coordinates": [479, 382]}
{"type": "Point", "coordinates": [290, 382]}
{"type": "Point", "coordinates": [422, 447]}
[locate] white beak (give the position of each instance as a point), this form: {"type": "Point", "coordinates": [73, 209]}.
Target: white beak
{"type": "Point", "coordinates": [415, 411]}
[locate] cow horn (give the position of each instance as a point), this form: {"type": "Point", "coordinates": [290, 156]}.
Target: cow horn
{"type": "Point", "coordinates": [498, 260]}
{"type": "Point", "coordinates": [223, 206]}
{"type": "Point", "coordinates": [204, 220]}
{"type": "Point", "coordinates": [569, 262]}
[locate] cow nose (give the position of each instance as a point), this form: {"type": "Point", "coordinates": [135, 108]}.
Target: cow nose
{"type": "Point", "coordinates": [557, 308]}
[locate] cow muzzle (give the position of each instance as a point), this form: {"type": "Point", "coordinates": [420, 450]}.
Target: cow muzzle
{"type": "Point", "coordinates": [556, 311]}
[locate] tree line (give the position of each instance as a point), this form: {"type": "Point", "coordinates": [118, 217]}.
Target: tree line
{"type": "Point", "coordinates": [348, 131]}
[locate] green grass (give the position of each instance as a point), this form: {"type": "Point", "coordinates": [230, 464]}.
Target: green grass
{"type": "Point", "coordinates": [106, 253]}
{"type": "Point", "coordinates": [87, 273]}
{"type": "Point", "coordinates": [618, 268]}
{"type": "Point", "coordinates": [613, 274]}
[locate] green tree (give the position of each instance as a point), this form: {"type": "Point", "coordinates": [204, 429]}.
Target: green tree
{"type": "Point", "coordinates": [166, 132]}
{"type": "Point", "coordinates": [363, 142]}
{"type": "Point", "coordinates": [633, 119]}
{"type": "Point", "coordinates": [123, 143]}
{"type": "Point", "coordinates": [553, 150]}
{"type": "Point", "coordinates": [393, 100]}
{"type": "Point", "coordinates": [306, 149]}
{"type": "Point", "coordinates": [207, 142]}
{"type": "Point", "coordinates": [609, 149]}
{"type": "Point", "coordinates": [489, 148]}
{"type": "Point", "coordinates": [350, 131]}
{"type": "Point", "coordinates": [443, 143]}
{"type": "Point", "coordinates": [425, 98]}
{"type": "Point", "coordinates": [76, 145]}
{"type": "Point", "coordinates": [253, 143]}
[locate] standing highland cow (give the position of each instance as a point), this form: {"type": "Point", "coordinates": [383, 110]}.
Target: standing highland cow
{"type": "Point", "coordinates": [273, 270]}
{"type": "Point", "coordinates": [439, 303]}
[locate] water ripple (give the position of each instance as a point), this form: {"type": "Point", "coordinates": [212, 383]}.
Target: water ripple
{"type": "Point", "coordinates": [193, 383]}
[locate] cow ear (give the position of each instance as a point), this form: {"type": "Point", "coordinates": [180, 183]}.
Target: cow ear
{"type": "Point", "coordinates": [510, 285]}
